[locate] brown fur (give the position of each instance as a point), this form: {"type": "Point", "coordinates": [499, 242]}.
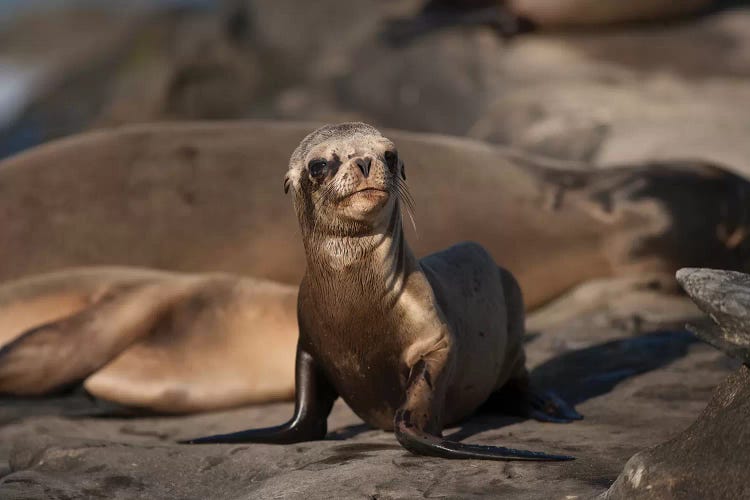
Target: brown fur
{"type": "Point", "coordinates": [369, 311]}
{"type": "Point", "coordinates": [410, 345]}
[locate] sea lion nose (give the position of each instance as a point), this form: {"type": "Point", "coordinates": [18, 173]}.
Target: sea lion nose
{"type": "Point", "coordinates": [364, 165]}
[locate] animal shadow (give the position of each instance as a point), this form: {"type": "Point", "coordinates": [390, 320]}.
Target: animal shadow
{"type": "Point", "coordinates": [577, 376]}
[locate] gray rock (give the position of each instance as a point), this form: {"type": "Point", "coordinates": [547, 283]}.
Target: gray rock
{"type": "Point", "coordinates": [626, 94]}
{"type": "Point", "coordinates": [725, 297]}
{"type": "Point", "coordinates": [708, 461]}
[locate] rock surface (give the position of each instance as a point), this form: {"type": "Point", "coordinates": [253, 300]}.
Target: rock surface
{"type": "Point", "coordinates": [635, 93]}
{"type": "Point", "coordinates": [725, 297]}
{"type": "Point", "coordinates": [633, 388]}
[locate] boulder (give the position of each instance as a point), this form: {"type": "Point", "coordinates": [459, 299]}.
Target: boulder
{"type": "Point", "coordinates": [709, 459]}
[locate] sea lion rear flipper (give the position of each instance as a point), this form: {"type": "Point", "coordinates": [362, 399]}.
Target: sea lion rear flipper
{"type": "Point", "coordinates": [519, 397]}
{"type": "Point", "coordinates": [436, 15]}
{"type": "Point", "coordinates": [422, 443]}
{"type": "Point", "coordinates": [546, 406]}
{"type": "Point", "coordinates": [415, 422]}
{"type": "Point", "coordinates": [314, 400]}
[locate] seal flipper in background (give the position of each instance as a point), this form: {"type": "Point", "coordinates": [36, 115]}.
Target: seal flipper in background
{"type": "Point", "coordinates": [440, 14]}
{"type": "Point", "coordinates": [60, 353]}
{"type": "Point", "coordinates": [314, 400]}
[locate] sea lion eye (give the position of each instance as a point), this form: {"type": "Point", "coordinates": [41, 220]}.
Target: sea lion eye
{"type": "Point", "coordinates": [391, 159]}
{"type": "Point", "coordinates": [317, 167]}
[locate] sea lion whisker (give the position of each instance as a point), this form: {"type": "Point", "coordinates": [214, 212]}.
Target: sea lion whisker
{"type": "Point", "coordinates": [405, 193]}
{"type": "Point", "coordinates": [405, 196]}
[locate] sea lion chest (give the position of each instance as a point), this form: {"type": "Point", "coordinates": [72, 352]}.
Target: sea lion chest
{"type": "Point", "coordinates": [360, 347]}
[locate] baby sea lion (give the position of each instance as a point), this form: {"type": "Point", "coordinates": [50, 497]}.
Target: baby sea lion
{"type": "Point", "coordinates": [411, 345]}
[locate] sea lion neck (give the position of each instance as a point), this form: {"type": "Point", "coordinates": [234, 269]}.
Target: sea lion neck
{"type": "Point", "coordinates": [375, 262]}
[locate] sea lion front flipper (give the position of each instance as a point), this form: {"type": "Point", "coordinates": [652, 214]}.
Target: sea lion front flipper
{"type": "Point", "coordinates": [314, 400]}
{"type": "Point", "coordinates": [417, 426]}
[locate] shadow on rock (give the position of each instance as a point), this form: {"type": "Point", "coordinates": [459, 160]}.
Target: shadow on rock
{"type": "Point", "coordinates": [580, 375]}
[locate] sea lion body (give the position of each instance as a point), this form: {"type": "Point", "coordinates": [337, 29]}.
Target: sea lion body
{"type": "Point", "coordinates": [409, 345]}
{"type": "Point", "coordinates": [167, 342]}
{"type": "Point", "coordinates": [461, 289]}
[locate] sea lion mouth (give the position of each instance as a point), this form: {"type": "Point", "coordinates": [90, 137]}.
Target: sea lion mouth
{"type": "Point", "coordinates": [370, 193]}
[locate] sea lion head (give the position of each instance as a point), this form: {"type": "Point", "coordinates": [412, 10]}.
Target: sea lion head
{"type": "Point", "coordinates": [347, 179]}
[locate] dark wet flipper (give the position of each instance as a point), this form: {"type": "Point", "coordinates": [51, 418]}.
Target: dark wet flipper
{"type": "Point", "coordinates": [314, 397]}
{"type": "Point", "coordinates": [282, 434]}
{"type": "Point", "coordinates": [547, 406]}
{"type": "Point", "coordinates": [402, 31]}
{"type": "Point", "coordinates": [520, 398]}
{"type": "Point", "coordinates": [421, 443]}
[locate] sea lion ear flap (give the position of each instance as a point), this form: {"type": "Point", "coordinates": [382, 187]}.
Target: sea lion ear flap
{"type": "Point", "coordinates": [287, 182]}
{"type": "Point", "coordinates": [403, 170]}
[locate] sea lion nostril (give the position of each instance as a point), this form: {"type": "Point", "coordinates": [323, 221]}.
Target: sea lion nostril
{"type": "Point", "coordinates": [364, 165]}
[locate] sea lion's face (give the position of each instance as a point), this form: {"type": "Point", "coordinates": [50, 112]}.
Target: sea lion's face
{"type": "Point", "coordinates": [348, 179]}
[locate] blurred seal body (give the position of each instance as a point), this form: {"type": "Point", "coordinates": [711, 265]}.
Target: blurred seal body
{"type": "Point", "coordinates": [411, 345]}
{"type": "Point", "coordinates": [169, 342]}
{"type": "Point", "coordinates": [555, 224]}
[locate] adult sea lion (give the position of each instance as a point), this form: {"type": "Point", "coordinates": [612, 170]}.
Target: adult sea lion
{"type": "Point", "coordinates": [139, 196]}
{"type": "Point", "coordinates": [168, 342]}
{"type": "Point", "coordinates": [411, 345]}
{"type": "Point", "coordinates": [511, 17]}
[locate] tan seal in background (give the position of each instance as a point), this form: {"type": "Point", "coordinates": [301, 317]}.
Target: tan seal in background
{"type": "Point", "coordinates": [168, 342]}
{"type": "Point", "coordinates": [204, 198]}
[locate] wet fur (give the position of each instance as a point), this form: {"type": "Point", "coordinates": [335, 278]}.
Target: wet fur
{"type": "Point", "coordinates": [369, 310]}
{"type": "Point", "coordinates": [411, 346]}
